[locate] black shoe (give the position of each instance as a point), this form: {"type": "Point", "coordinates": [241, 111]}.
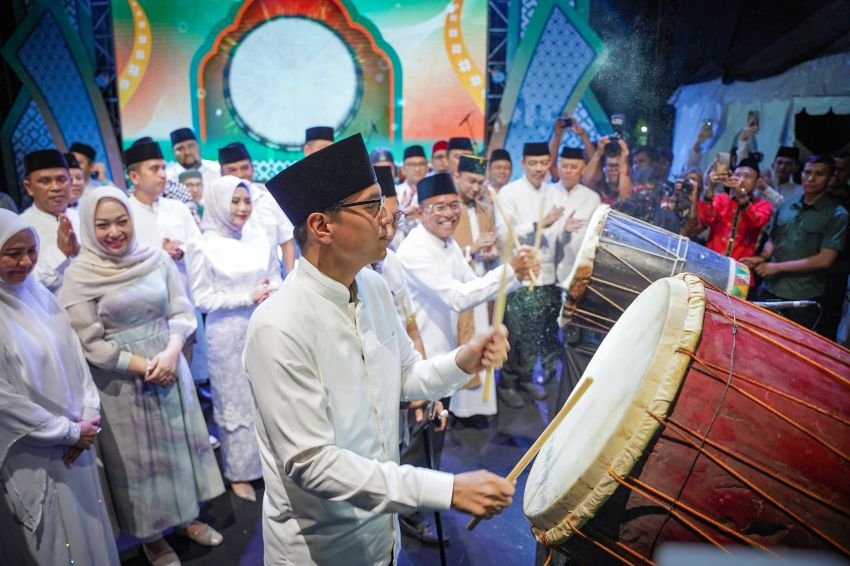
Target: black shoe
{"type": "Point", "coordinates": [421, 530]}
{"type": "Point", "coordinates": [533, 390]}
{"type": "Point", "coordinates": [479, 422]}
{"type": "Point", "coordinates": [511, 398]}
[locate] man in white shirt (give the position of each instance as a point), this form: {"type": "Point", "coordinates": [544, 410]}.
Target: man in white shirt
{"type": "Point", "coordinates": [328, 362]}
{"type": "Point", "coordinates": [316, 138]}
{"type": "Point", "coordinates": [187, 152]}
{"type": "Point", "coordinates": [579, 203]}
{"type": "Point", "coordinates": [500, 169]}
{"type": "Point", "coordinates": [414, 166]}
{"type": "Point", "coordinates": [267, 218]}
{"type": "Point", "coordinates": [159, 221]}
{"type": "Point", "coordinates": [442, 282]}
{"type": "Point", "coordinates": [48, 182]}
{"type": "Point", "coordinates": [531, 316]}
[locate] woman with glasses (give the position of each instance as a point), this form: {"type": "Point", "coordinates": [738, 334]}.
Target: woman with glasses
{"type": "Point", "coordinates": [231, 273]}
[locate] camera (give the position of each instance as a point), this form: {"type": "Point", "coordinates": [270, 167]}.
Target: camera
{"type": "Point", "coordinates": [613, 147]}
{"type": "Point", "coordinates": [685, 183]}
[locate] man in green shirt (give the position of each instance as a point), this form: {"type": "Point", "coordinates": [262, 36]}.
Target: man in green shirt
{"type": "Point", "coordinates": [806, 236]}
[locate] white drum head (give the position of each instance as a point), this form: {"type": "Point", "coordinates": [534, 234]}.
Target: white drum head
{"type": "Point", "coordinates": [636, 367]}
{"type": "Point", "coordinates": [583, 266]}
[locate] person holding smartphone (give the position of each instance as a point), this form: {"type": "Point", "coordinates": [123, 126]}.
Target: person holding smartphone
{"type": "Point", "coordinates": [736, 219]}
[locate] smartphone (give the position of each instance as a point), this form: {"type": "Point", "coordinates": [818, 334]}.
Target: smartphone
{"type": "Point", "coordinates": [707, 123]}
{"type": "Point", "coordinates": [753, 118]}
{"type": "Point", "coordinates": [566, 121]}
{"type": "Point", "coordinates": [724, 160]}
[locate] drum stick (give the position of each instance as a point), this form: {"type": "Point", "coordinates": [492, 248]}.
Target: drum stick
{"type": "Point", "coordinates": [538, 235]}
{"type": "Point", "coordinates": [498, 312]}
{"type": "Point", "coordinates": [511, 234]}
{"type": "Point", "coordinates": [523, 463]}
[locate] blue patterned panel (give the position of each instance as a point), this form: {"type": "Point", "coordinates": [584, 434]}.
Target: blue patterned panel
{"type": "Point", "coordinates": [30, 133]}
{"type": "Point", "coordinates": [47, 58]}
{"type": "Point", "coordinates": [560, 60]}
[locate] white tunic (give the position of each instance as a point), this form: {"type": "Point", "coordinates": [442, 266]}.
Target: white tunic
{"type": "Point", "coordinates": [327, 376]}
{"type": "Point", "coordinates": [522, 203]}
{"type": "Point", "coordinates": [51, 261]}
{"type": "Point", "coordinates": [443, 284]}
{"type": "Point", "coordinates": [580, 202]}
{"type": "Point", "coordinates": [209, 170]}
{"type": "Point", "coordinates": [267, 217]}
{"type": "Point", "coordinates": [165, 218]}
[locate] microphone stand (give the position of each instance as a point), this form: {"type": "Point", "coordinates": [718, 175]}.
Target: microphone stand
{"type": "Point", "coordinates": [428, 440]}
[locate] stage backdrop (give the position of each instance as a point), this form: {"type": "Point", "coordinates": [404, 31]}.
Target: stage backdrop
{"type": "Point", "coordinates": [261, 71]}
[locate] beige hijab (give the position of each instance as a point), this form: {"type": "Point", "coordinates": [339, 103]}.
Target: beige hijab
{"type": "Point", "coordinates": [97, 271]}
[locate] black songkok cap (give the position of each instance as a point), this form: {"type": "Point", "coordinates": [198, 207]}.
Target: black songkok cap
{"type": "Point", "coordinates": [142, 150]}
{"type": "Point", "coordinates": [189, 174]}
{"type": "Point", "coordinates": [414, 151]}
{"type": "Point", "coordinates": [232, 152]}
{"type": "Point", "coordinates": [435, 185]}
{"type": "Point", "coordinates": [323, 179]}
{"type": "Point", "coordinates": [500, 155]}
{"type": "Point", "coordinates": [534, 149]}
{"type": "Point", "coordinates": [460, 143]}
{"type": "Point", "coordinates": [572, 153]}
{"type": "Point", "coordinates": [384, 173]}
{"type": "Point", "coordinates": [381, 154]}
{"type": "Point", "coordinates": [472, 164]}
{"type": "Point", "coordinates": [792, 152]}
{"type": "Point", "coordinates": [80, 147]}
{"type": "Point", "coordinates": [43, 159]}
{"type": "Point", "coordinates": [72, 161]}
{"type": "Point", "coordinates": [319, 133]}
{"type": "Point", "coordinates": [750, 162]}
{"type": "Point", "coordinates": [181, 135]}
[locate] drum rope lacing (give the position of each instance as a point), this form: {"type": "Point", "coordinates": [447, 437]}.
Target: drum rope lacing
{"type": "Point", "coordinates": [743, 480]}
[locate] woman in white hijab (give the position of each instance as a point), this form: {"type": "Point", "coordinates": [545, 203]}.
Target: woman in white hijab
{"type": "Point", "coordinates": [52, 509]}
{"type": "Point", "coordinates": [130, 310]}
{"type": "Point", "coordinates": [230, 273]}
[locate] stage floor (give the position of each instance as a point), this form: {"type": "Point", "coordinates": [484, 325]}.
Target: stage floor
{"type": "Point", "coordinates": [504, 540]}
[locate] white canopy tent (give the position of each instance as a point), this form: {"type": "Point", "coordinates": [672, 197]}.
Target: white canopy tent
{"type": "Point", "coordinates": [815, 86]}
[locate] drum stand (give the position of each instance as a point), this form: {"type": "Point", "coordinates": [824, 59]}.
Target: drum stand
{"type": "Point", "coordinates": [428, 440]}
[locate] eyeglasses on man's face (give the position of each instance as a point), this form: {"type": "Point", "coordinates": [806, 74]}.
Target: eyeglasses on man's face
{"type": "Point", "coordinates": [444, 208]}
{"type": "Point", "coordinates": [372, 207]}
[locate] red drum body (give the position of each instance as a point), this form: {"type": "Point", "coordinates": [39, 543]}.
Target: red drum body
{"type": "Point", "coordinates": [736, 431]}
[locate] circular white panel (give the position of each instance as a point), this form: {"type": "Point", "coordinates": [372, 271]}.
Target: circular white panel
{"type": "Point", "coordinates": [289, 74]}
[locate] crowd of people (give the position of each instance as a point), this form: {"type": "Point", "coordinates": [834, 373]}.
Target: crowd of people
{"type": "Point", "coordinates": [348, 278]}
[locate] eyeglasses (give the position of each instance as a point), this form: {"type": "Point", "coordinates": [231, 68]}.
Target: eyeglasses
{"type": "Point", "coordinates": [442, 208]}
{"type": "Point", "coordinates": [373, 206]}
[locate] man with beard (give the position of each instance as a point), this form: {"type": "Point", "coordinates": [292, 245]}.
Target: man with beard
{"type": "Point", "coordinates": [187, 152]}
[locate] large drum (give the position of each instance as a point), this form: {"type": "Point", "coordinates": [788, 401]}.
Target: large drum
{"type": "Point", "coordinates": [709, 420]}
{"type": "Point", "coordinates": [620, 256]}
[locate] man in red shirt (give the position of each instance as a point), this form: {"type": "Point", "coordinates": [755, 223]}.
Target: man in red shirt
{"type": "Point", "coordinates": [736, 219]}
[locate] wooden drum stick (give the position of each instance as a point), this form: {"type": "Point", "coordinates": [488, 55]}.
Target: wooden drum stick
{"type": "Point", "coordinates": [538, 236]}
{"type": "Point", "coordinates": [511, 234]}
{"type": "Point", "coordinates": [499, 310]}
{"type": "Point", "coordinates": [523, 463]}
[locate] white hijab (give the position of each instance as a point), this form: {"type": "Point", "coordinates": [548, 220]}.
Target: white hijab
{"type": "Point", "coordinates": [97, 271]}
{"type": "Point", "coordinates": [42, 362]}
{"type": "Point", "coordinates": [217, 198]}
